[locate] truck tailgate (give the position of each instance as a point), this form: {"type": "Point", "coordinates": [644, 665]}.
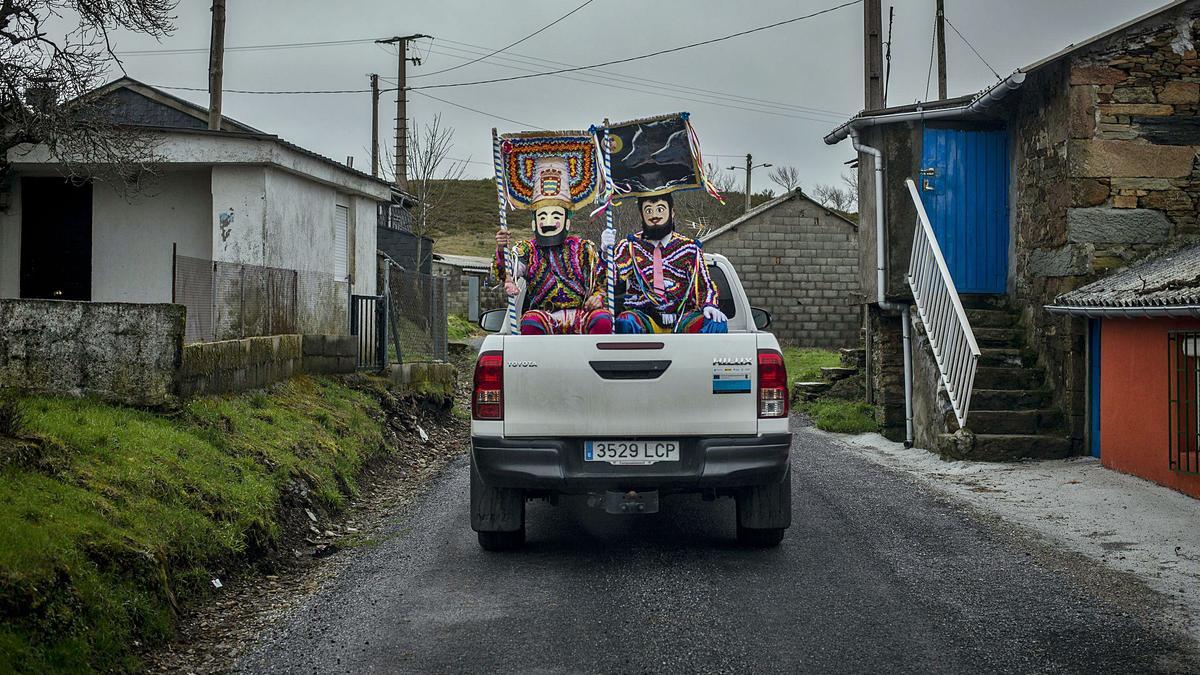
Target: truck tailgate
{"type": "Point", "coordinates": [630, 385]}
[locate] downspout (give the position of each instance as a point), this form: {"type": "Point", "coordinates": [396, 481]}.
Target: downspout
{"type": "Point", "coordinates": [881, 281]}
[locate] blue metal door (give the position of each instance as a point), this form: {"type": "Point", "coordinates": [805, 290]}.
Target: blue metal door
{"type": "Point", "coordinates": [964, 185]}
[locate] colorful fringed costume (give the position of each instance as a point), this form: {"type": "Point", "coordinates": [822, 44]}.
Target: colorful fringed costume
{"type": "Point", "coordinates": [667, 284]}
{"type": "Point", "coordinates": [551, 175]}
{"type": "Point", "coordinates": [560, 280]}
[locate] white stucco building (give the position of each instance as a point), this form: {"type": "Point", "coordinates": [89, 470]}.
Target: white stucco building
{"type": "Point", "coordinates": [237, 196]}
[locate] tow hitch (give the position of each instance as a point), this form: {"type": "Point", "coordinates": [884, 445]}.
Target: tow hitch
{"type": "Point", "coordinates": [615, 501]}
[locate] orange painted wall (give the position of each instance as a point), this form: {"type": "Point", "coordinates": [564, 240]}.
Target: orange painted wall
{"type": "Point", "coordinates": [1134, 423]}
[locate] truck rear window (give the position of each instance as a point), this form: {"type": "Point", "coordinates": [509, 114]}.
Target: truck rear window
{"type": "Point", "coordinates": [724, 300]}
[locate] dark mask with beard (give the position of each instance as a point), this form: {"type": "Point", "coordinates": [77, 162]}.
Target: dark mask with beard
{"type": "Point", "coordinates": [658, 216]}
{"type": "Point", "coordinates": [551, 225]}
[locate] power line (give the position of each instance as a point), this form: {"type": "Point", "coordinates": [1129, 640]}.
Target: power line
{"type": "Point", "coordinates": [623, 78]}
{"type": "Point", "coordinates": [677, 97]}
{"type": "Point", "coordinates": [964, 39]}
{"type": "Point", "coordinates": [481, 112]}
{"type": "Point", "coordinates": [249, 48]}
{"type": "Point", "coordinates": [643, 56]}
{"type": "Point", "coordinates": [513, 44]}
{"type": "Point", "coordinates": [275, 91]}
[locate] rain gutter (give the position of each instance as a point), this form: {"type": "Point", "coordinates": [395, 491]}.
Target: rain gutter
{"type": "Point", "coordinates": [1127, 312]}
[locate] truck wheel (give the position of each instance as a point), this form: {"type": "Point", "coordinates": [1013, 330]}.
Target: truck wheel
{"type": "Point", "coordinates": [501, 541]}
{"type": "Point", "coordinates": [764, 512]}
{"type": "Point", "coordinates": [497, 515]}
{"type": "Point", "coordinates": [768, 537]}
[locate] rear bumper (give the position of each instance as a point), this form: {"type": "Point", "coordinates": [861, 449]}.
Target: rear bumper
{"type": "Point", "coordinates": [557, 465]}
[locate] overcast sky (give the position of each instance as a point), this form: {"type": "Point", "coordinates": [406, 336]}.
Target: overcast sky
{"type": "Point", "coordinates": [774, 93]}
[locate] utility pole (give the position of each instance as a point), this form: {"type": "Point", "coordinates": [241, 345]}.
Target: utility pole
{"type": "Point", "coordinates": [873, 56]}
{"type": "Point", "coordinates": [941, 48]}
{"type": "Point", "coordinates": [750, 167]}
{"type": "Point", "coordinates": [402, 104]}
{"type": "Point", "coordinates": [216, 64]}
{"type": "Point", "coordinates": [375, 124]}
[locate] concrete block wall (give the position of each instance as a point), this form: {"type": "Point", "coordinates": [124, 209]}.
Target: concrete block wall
{"type": "Point", "coordinates": [490, 296]}
{"type": "Point", "coordinates": [329, 354]}
{"type": "Point", "coordinates": [121, 352]}
{"type": "Point", "coordinates": [799, 261]}
{"type": "Point", "coordinates": [237, 365]}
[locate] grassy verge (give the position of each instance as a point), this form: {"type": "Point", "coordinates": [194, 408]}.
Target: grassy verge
{"type": "Point", "coordinates": [804, 365]}
{"type": "Point", "coordinates": [843, 417]}
{"type": "Point", "coordinates": [460, 328]}
{"type": "Point", "coordinates": [111, 518]}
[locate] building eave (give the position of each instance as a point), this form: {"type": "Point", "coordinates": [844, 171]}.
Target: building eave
{"type": "Point", "coordinates": [1118, 312]}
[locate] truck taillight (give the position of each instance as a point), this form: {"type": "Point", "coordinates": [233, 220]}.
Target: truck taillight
{"type": "Point", "coordinates": [772, 384]}
{"type": "Point", "coordinates": [487, 400]}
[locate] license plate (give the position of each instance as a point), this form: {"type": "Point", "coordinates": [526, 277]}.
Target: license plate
{"type": "Point", "coordinates": [631, 452]}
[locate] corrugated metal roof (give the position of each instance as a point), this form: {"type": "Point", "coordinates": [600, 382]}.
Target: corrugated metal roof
{"type": "Point", "coordinates": [469, 262]}
{"type": "Point", "coordinates": [1172, 279]}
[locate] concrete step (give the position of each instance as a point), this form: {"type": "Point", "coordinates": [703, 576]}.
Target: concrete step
{"type": "Point", "coordinates": [835, 374]}
{"type": "Point", "coordinates": [808, 391]}
{"type": "Point", "coordinates": [1006, 399]}
{"type": "Point", "coordinates": [1014, 421]}
{"type": "Point", "coordinates": [1009, 378]}
{"type": "Point", "coordinates": [1004, 447]}
{"type": "Point", "coordinates": [999, 337]}
{"type": "Point", "coordinates": [1006, 357]}
{"type": "Point", "coordinates": [991, 318]}
{"type": "Point", "coordinates": [853, 358]}
{"type": "Point", "coordinates": [975, 301]}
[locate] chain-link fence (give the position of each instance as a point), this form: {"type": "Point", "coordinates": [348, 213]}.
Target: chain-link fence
{"type": "Point", "coordinates": [229, 301]}
{"type": "Point", "coordinates": [417, 315]}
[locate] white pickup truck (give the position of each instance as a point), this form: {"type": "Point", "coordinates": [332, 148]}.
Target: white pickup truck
{"type": "Point", "coordinates": [624, 419]}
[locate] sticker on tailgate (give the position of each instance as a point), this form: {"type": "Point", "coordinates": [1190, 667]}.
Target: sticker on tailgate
{"type": "Point", "coordinates": [731, 376]}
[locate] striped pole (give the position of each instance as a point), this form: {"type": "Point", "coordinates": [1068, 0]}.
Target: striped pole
{"type": "Point", "coordinates": [509, 261]}
{"type": "Point", "coordinates": [608, 224]}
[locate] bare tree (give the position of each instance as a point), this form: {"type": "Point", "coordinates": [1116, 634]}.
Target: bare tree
{"type": "Point", "coordinates": [767, 194]}
{"type": "Point", "coordinates": [850, 180]}
{"type": "Point", "coordinates": [832, 196]}
{"type": "Point", "coordinates": [787, 177]}
{"type": "Point", "coordinates": [45, 79]}
{"type": "Point", "coordinates": [432, 175]}
{"type": "Point", "coordinates": [840, 198]}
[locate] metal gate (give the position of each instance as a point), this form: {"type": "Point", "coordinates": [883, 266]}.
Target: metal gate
{"type": "Point", "coordinates": [964, 187]}
{"type": "Point", "coordinates": [368, 321]}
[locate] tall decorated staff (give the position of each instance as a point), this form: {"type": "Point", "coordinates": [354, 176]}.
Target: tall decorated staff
{"type": "Point", "coordinates": [506, 256]}
{"type": "Point", "coordinates": [602, 145]}
{"type": "Point", "coordinates": [668, 286]}
{"type": "Point", "coordinates": [551, 174]}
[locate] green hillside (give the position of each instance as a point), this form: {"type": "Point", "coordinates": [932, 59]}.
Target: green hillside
{"type": "Point", "coordinates": [465, 221]}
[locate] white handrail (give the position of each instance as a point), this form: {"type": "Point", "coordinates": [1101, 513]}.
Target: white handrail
{"type": "Point", "coordinates": [946, 324]}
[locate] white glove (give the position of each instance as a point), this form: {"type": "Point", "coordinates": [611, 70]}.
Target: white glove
{"type": "Point", "coordinates": [608, 238]}
{"type": "Point", "coordinates": [715, 315]}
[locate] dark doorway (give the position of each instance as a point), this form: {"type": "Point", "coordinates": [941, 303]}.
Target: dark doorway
{"type": "Point", "coordinates": [56, 239]}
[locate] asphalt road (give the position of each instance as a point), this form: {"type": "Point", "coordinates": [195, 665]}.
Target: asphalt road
{"type": "Point", "coordinates": [876, 574]}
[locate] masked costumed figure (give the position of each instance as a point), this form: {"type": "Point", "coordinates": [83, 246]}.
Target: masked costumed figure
{"type": "Point", "coordinates": [667, 285]}
{"type": "Point", "coordinates": [564, 274]}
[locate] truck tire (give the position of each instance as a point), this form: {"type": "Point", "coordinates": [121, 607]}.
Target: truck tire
{"type": "Point", "coordinates": [497, 515]}
{"type": "Point", "coordinates": [764, 512]}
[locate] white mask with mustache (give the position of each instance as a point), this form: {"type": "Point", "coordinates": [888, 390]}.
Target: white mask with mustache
{"type": "Point", "coordinates": [550, 225]}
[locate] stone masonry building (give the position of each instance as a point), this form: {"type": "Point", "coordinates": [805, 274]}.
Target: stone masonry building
{"type": "Point", "coordinates": [798, 260]}
{"type": "Point", "coordinates": [1097, 170]}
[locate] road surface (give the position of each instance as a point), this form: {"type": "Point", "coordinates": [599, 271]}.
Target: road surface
{"type": "Point", "coordinates": [876, 574]}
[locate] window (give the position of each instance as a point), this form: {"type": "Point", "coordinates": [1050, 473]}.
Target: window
{"type": "Point", "coordinates": [341, 243]}
{"type": "Point", "coordinates": [1184, 379]}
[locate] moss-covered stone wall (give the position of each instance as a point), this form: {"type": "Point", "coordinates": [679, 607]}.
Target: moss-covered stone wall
{"type": "Point", "coordinates": [118, 352]}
